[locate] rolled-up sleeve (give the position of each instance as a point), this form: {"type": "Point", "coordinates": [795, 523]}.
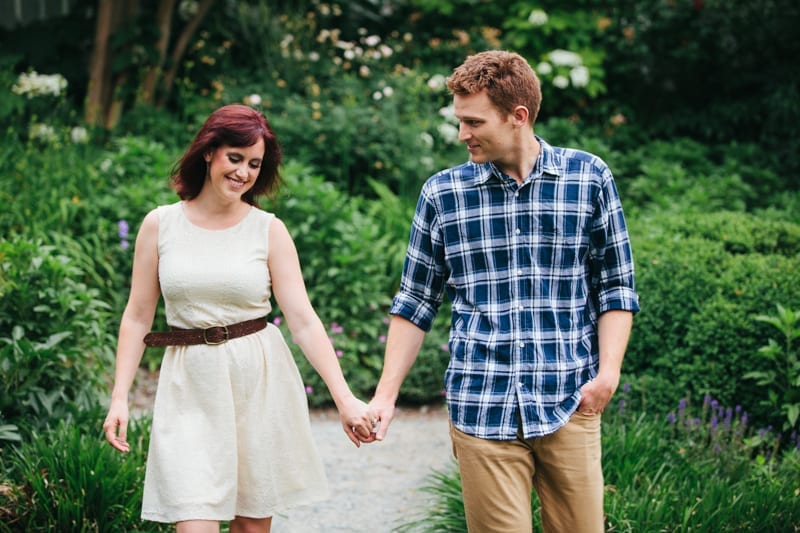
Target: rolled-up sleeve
{"type": "Point", "coordinates": [613, 271]}
{"type": "Point", "coordinates": [422, 283]}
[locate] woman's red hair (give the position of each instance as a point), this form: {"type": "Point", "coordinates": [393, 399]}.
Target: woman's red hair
{"type": "Point", "coordinates": [237, 126]}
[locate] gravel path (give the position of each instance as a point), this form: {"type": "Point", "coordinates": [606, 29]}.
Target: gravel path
{"type": "Point", "coordinates": [374, 488]}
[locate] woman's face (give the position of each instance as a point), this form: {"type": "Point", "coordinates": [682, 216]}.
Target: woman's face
{"type": "Point", "coordinates": [232, 171]}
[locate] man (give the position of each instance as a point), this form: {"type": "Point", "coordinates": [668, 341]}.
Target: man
{"type": "Point", "coordinates": [529, 242]}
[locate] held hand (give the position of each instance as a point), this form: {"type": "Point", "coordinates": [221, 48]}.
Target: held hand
{"type": "Point", "coordinates": [383, 412]}
{"type": "Point", "coordinates": [596, 394]}
{"type": "Point", "coordinates": [357, 422]}
{"type": "Point", "coordinates": [116, 426]}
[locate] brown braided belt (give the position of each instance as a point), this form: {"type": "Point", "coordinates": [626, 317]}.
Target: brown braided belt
{"type": "Point", "coordinates": [212, 335]}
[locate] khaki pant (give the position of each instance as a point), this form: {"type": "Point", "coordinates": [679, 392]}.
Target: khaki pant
{"type": "Point", "coordinates": [564, 467]}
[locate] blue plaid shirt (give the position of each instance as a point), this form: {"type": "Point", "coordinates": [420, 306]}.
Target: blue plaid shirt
{"type": "Point", "coordinates": [528, 269]}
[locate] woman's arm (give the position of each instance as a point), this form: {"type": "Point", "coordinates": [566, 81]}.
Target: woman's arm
{"type": "Point", "coordinates": [137, 319]}
{"type": "Point", "coordinates": [309, 333]}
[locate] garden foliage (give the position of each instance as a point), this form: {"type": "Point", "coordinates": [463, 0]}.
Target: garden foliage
{"type": "Point", "coordinates": [693, 107]}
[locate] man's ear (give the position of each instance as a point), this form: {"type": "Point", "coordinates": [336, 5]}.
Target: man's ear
{"type": "Point", "coordinates": [520, 115]}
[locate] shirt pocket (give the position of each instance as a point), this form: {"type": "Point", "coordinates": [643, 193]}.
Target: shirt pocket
{"type": "Point", "coordinates": [562, 241]}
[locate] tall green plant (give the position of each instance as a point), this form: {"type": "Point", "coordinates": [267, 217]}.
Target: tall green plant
{"type": "Point", "coordinates": [782, 379]}
{"type": "Point", "coordinates": [68, 479]}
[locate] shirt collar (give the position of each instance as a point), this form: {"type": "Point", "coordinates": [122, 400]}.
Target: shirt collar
{"type": "Point", "coordinates": [548, 162]}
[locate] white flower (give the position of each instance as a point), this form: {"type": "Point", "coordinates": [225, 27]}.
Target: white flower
{"type": "Point", "coordinates": [388, 91]}
{"type": "Point", "coordinates": [448, 112]}
{"type": "Point", "coordinates": [448, 132]}
{"type": "Point", "coordinates": [363, 71]}
{"type": "Point", "coordinates": [579, 76]}
{"type": "Point", "coordinates": [538, 17]}
{"type": "Point", "coordinates": [426, 139]}
{"type": "Point", "coordinates": [565, 58]}
{"type": "Point", "coordinates": [79, 135]}
{"type": "Point", "coordinates": [544, 68]}
{"type": "Point", "coordinates": [377, 95]}
{"type": "Point", "coordinates": [561, 82]}
{"type": "Point", "coordinates": [313, 56]}
{"type": "Point", "coordinates": [437, 82]}
{"type": "Point", "coordinates": [252, 99]}
{"type": "Point", "coordinates": [187, 9]}
{"type": "Point", "coordinates": [372, 40]}
{"type": "Point", "coordinates": [286, 41]}
{"type": "Point", "coordinates": [386, 51]}
{"type": "Point", "coordinates": [42, 132]}
{"type": "Point", "coordinates": [34, 84]}
{"type": "Point", "coordinates": [349, 55]}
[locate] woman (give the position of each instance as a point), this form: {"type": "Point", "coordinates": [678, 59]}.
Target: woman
{"type": "Point", "coordinates": [231, 436]}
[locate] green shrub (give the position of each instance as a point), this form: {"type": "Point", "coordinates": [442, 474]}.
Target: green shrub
{"type": "Point", "coordinates": [55, 341]}
{"type": "Point", "coordinates": [702, 282]}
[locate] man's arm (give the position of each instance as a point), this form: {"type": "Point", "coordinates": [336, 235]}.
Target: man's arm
{"type": "Point", "coordinates": [613, 331]}
{"type": "Point", "coordinates": [403, 343]}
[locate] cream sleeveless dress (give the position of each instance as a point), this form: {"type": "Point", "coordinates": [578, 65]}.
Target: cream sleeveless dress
{"type": "Point", "coordinates": [231, 433]}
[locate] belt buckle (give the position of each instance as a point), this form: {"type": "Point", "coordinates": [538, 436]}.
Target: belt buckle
{"type": "Point", "coordinates": [225, 337]}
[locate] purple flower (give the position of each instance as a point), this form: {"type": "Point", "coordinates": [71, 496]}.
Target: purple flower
{"type": "Point", "coordinates": [445, 348]}
{"type": "Point", "coordinates": [123, 229]}
{"type": "Point", "coordinates": [277, 321]}
{"type": "Point", "coordinates": [671, 417]}
{"type": "Point", "coordinates": [309, 389]}
{"type": "Point", "coordinates": [124, 244]}
{"type": "Point", "coordinates": [626, 388]}
{"type": "Point", "coordinates": [336, 328]}
{"type": "Point", "coordinates": [339, 353]}
{"type": "Point", "coordinates": [382, 338]}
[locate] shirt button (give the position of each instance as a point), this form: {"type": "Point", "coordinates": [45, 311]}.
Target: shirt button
{"type": "Point", "coordinates": [518, 231]}
{"type": "Point", "coordinates": [521, 307]}
{"type": "Point", "coordinates": [516, 194]}
{"type": "Point", "coordinates": [522, 345]}
{"type": "Point", "coordinates": [519, 272]}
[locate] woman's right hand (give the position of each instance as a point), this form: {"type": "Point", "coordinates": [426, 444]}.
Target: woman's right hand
{"type": "Point", "coordinates": [116, 426]}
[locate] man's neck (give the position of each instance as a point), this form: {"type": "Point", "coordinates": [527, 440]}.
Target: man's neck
{"type": "Point", "coordinates": [522, 162]}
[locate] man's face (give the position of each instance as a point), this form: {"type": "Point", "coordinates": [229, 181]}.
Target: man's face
{"type": "Point", "coordinates": [487, 132]}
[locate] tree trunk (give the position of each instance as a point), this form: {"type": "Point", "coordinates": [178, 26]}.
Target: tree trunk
{"type": "Point", "coordinates": [180, 49]}
{"type": "Point", "coordinates": [125, 15]}
{"type": "Point", "coordinates": [98, 64]}
{"type": "Point", "coordinates": [164, 24]}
